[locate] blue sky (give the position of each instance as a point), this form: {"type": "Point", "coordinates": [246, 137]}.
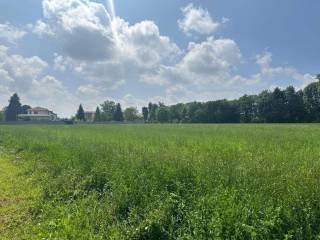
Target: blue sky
{"type": "Point", "coordinates": [60, 53]}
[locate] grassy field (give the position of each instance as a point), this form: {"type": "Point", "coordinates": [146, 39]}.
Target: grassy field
{"type": "Point", "coordinates": [160, 182]}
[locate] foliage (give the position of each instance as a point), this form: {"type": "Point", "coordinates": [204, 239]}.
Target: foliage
{"type": "Point", "coordinates": [118, 115]}
{"type": "Point", "coordinates": [170, 181]}
{"type": "Point", "coordinates": [131, 114]}
{"type": "Point", "coordinates": [2, 117]}
{"type": "Point", "coordinates": [145, 113]}
{"type": "Point", "coordinates": [108, 110]}
{"type": "Point", "coordinates": [80, 114]}
{"type": "Point", "coordinates": [97, 115]}
{"type": "Point", "coordinates": [277, 106]}
{"type": "Point", "coordinates": [13, 109]}
{"type": "Point", "coordinates": [163, 114]}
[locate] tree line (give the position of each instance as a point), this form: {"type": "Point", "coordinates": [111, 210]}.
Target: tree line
{"type": "Point", "coordinates": [277, 106]}
{"type": "Point", "coordinates": [110, 111]}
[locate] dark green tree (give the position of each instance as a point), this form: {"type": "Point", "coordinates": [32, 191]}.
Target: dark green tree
{"type": "Point", "coordinates": [1, 116]}
{"type": "Point", "coordinates": [163, 114]}
{"type": "Point", "coordinates": [248, 109]}
{"type": "Point", "coordinates": [97, 115]}
{"type": "Point", "coordinates": [152, 108]}
{"type": "Point", "coordinates": [145, 113]}
{"type": "Point", "coordinates": [311, 97]}
{"type": "Point", "coordinates": [108, 109]}
{"type": "Point", "coordinates": [131, 114]}
{"type": "Point", "coordinates": [295, 106]}
{"type": "Point", "coordinates": [80, 114]}
{"type": "Point", "coordinates": [13, 109]}
{"type": "Point", "coordinates": [118, 115]}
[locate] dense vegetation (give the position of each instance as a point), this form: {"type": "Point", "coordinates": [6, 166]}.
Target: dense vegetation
{"type": "Point", "coordinates": [277, 106]}
{"type": "Point", "coordinates": [170, 181]}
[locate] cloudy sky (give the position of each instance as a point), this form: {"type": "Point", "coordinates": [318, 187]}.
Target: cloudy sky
{"type": "Point", "coordinates": [60, 53]}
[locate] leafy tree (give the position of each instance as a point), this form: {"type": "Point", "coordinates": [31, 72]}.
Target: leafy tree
{"type": "Point", "coordinates": [184, 115]}
{"type": "Point", "coordinates": [295, 106]}
{"type": "Point", "coordinates": [13, 109]}
{"type": "Point", "coordinates": [80, 114]}
{"type": "Point", "coordinates": [311, 96]}
{"type": "Point", "coordinates": [175, 113]}
{"type": "Point", "coordinates": [108, 111]}
{"type": "Point", "coordinates": [1, 116]}
{"type": "Point", "coordinates": [145, 113]}
{"type": "Point", "coordinates": [278, 106]}
{"type": "Point", "coordinates": [248, 109]}
{"type": "Point", "coordinates": [163, 114]}
{"type": "Point", "coordinates": [118, 115]}
{"type": "Point", "coordinates": [131, 114]}
{"type": "Point", "coordinates": [97, 115]}
{"type": "Point", "coordinates": [318, 77]}
{"type": "Point", "coordinates": [152, 108]}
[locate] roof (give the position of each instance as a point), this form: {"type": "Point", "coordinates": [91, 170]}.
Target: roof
{"type": "Point", "coordinates": [39, 109]}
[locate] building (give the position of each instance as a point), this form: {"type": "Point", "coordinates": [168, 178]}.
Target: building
{"type": "Point", "coordinates": [38, 114]}
{"type": "Point", "coordinates": [89, 116]}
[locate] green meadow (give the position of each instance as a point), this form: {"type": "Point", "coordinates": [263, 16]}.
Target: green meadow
{"type": "Point", "coordinates": [160, 182]}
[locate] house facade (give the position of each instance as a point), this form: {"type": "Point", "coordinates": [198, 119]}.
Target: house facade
{"type": "Point", "coordinates": [89, 116]}
{"type": "Point", "coordinates": [38, 114]}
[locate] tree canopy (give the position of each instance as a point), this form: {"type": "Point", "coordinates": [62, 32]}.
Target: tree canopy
{"type": "Point", "coordinates": [13, 109]}
{"type": "Point", "coordinates": [80, 114]}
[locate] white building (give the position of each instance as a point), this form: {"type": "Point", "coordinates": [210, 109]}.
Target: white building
{"type": "Point", "coordinates": [89, 116]}
{"type": "Point", "coordinates": [38, 114]}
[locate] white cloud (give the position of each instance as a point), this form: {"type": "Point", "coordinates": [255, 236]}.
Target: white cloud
{"type": "Point", "coordinates": [26, 76]}
{"type": "Point", "coordinates": [101, 55]}
{"type": "Point", "coordinates": [281, 76]}
{"type": "Point", "coordinates": [198, 20]}
{"type": "Point", "coordinates": [207, 62]}
{"type": "Point", "coordinates": [10, 34]}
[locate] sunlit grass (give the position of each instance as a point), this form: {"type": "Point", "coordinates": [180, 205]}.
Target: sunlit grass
{"type": "Point", "coordinates": [171, 181]}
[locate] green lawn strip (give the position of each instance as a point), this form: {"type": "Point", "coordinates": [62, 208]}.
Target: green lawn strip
{"type": "Point", "coordinates": [18, 192]}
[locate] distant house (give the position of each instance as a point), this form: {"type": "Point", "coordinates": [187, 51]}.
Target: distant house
{"type": "Point", "coordinates": [89, 116]}
{"type": "Point", "coordinates": [38, 114]}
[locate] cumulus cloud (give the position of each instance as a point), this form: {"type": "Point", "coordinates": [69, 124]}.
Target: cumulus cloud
{"type": "Point", "coordinates": [207, 62]}
{"type": "Point", "coordinates": [198, 20]}
{"type": "Point", "coordinates": [26, 76]}
{"type": "Point", "coordinates": [10, 34]}
{"type": "Point", "coordinates": [101, 54]}
{"type": "Point", "coordinates": [280, 76]}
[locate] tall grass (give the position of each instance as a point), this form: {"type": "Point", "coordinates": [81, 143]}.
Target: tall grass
{"type": "Point", "coordinates": [172, 181]}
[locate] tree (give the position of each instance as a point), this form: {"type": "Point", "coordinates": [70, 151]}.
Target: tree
{"type": "Point", "coordinates": [163, 114]}
{"type": "Point", "coordinates": [1, 116]}
{"type": "Point", "coordinates": [311, 97]}
{"type": "Point", "coordinates": [131, 114]}
{"type": "Point", "coordinates": [97, 115]}
{"type": "Point", "coordinates": [295, 106]}
{"type": "Point", "coordinates": [14, 108]}
{"type": "Point", "coordinates": [318, 77]}
{"type": "Point", "coordinates": [108, 109]}
{"type": "Point", "coordinates": [145, 113]}
{"type": "Point", "coordinates": [248, 109]}
{"type": "Point", "coordinates": [80, 114]}
{"type": "Point", "coordinates": [279, 108]}
{"type": "Point", "coordinates": [118, 115]}
{"type": "Point", "coordinates": [152, 108]}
